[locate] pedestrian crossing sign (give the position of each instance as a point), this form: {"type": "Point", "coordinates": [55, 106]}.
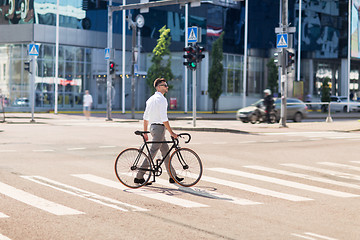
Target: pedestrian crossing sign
{"type": "Point", "coordinates": [192, 34]}
{"type": "Point", "coordinates": [107, 53]}
{"type": "Point", "coordinates": [33, 50]}
{"type": "Point", "coordinates": [282, 40]}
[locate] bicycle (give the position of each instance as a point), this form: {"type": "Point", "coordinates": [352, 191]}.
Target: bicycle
{"type": "Point", "coordinates": [183, 162]}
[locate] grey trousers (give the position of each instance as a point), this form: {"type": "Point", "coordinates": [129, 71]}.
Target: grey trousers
{"type": "Point", "coordinates": [158, 134]}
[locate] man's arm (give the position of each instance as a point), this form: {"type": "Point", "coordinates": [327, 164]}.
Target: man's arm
{"type": "Point", "coordinates": [167, 125]}
{"type": "Point", "coordinates": [146, 123]}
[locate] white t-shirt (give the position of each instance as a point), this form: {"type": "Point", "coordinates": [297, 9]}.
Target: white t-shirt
{"type": "Point", "coordinates": [156, 109]}
{"type": "Point", "coordinates": [87, 100]}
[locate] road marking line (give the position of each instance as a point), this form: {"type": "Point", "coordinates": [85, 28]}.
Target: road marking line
{"type": "Point", "coordinates": [355, 161]}
{"type": "Point", "coordinates": [5, 151]}
{"type": "Point", "coordinates": [302, 236]}
{"type": "Point", "coordinates": [107, 146]}
{"type": "Point", "coordinates": [44, 150]}
{"type": "Point", "coordinates": [2, 215]}
{"type": "Point", "coordinates": [320, 236]}
{"type": "Point", "coordinates": [36, 201]}
{"type": "Point", "coordinates": [109, 202]}
{"type": "Point", "coordinates": [253, 189]}
{"type": "Point", "coordinates": [142, 191]}
{"type": "Point", "coordinates": [2, 237]}
{"type": "Point", "coordinates": [324, 171]}
{"type": "Point", "coordinates": [349, 167]}
{"type": "Point", "coordinates": [269, 141]}
{"type": "Point", "coordinates": [284, 182]}
{"type": "Point", "coordinates": [300, 175]}
{"type": "Point", "coordinates": [244, 142]}
{"type": "Point", "coordinates": [206, 193]}
{"type": "Point", "coordinates": [78, 148]}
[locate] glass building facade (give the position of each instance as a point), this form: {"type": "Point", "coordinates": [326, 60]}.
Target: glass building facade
{"type": "Point", "coordinates": [83, 29]}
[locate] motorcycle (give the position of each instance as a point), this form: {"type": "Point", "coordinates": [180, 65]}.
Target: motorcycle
{"type": "Point", "coordinates": [259, 116]}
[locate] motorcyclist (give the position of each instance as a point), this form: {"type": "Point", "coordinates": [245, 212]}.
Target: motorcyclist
{"type": "Point", "coordinates": [268, 103]}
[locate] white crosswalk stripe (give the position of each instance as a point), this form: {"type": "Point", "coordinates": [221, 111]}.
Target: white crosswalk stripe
{"type": "Point", "coordinates": [2, 237]}
{"type": "Point", "coordinates": [253, 189]}
{"type": "Point", "coordinates": [348, 167]}
{"type": "Point", "coordinates": [142, 191]}
{"type": "Point", "coordinates": [355, 162]}
{"type": "Point", "coordinates": [209, 194]}
{"type": "Point", "coordinates": [109, 202]}
{"type": "Point", "coordinates": [2, 215]}
{"type": "Point", "coordinates": [324, 171]}
{"type": "Point", "coordinates": [36, 201]}
{"type": "Point", "coordinates": [285, 182]}
{"type": "Point", "coordinates": [304, 176]}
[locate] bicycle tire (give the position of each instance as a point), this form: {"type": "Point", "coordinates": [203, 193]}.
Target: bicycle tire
{"type": "Point", "coordinates": [185, 163]}
{"type": "Point", "coordinates": [128, 164]}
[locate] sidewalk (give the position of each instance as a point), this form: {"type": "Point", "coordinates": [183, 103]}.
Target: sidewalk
{"type": "Point", "coordinates": [221, 122]}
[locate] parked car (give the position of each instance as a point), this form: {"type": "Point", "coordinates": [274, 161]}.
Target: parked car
{"type": "Point", "coordinates": [296, 110]}
{"type": "Point", "coordinates": [21, 102]}
{"type": "Point", "coordinates": [340, 103]}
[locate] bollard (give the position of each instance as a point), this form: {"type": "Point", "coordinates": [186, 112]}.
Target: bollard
{"type": "Point", "coordinates": [329, 119]}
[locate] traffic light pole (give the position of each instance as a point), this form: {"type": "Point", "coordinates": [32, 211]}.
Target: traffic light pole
{"type": "Point", "coordinates": [32, 87]}
{"type": "Point", "coordinates": [108, 75]}
{"type": "Point", "coordinates": [194, 97]}
{"type": "Point", "coordinates": [283, 85]}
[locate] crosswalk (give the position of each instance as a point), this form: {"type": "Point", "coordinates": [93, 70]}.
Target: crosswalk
{"type": "Point", "coordinates": [332, 176]}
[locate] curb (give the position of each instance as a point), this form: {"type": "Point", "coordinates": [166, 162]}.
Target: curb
{"type": "Point", "coordinates": [227, 130]}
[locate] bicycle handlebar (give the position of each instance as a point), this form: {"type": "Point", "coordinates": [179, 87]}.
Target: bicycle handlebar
{"type": "Point", "coordinates": [141, 133]}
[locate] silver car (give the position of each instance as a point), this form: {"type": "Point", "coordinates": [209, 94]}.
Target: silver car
{"type": "Point", "coordinates": [296, 110]}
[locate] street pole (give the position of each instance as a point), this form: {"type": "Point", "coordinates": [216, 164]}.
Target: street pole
{"type": "Point", "coordinates": [108, 76]}
{"type": "Point", "coordinates": [299, 41]}
{"type": "Point", "coordinates": [123, 56]}
{"type": "Point", "coordinates": [349, 55]}
{"type": "Point", "coordinates": [194, 97]}
{"type": "Point", "coordinates": [133, 42]}
{"type": "Point", "coordinates": [284, 23]}
{"type": "Point", "coordinates": [186, 70]}
{"type": "Point", "coordinates": [245, 52]}
{"type": "Point", "coordinates": [32, 87]}
{"type": "Point", "coordinates": [56, 60]}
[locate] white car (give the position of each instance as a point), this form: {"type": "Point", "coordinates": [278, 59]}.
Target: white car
{"type": "Point", "coordinates": [340, 103]}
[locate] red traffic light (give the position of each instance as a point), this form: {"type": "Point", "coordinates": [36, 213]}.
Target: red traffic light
{"type": "Point", "coordinates": [112, 67]}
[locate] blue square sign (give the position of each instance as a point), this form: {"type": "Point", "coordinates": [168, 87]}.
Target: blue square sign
{"type": "Point", "coordinates": [192, 34]}
{"type": "Point", "coordinates": [33, 50]}
{"type": "Point", "coordinates": [282, 40]}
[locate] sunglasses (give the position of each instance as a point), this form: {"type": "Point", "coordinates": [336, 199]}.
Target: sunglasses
{"type": "Point", "coordinates": [165, 85]}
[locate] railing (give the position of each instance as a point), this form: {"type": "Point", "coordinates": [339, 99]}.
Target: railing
{"type": "Point", "coordinates": [329, 104]}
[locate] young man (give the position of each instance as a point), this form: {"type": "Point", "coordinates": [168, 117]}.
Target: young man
{"type": "Point", "coordinates": [87, 102]}
{"type": "Point", "coordinates": [155, 115]}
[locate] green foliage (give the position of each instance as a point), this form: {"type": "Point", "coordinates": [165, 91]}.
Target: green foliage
{"type": "Point", "coordinates": [272, 76]}
{"type": "Point", "coordinates": [325, 90]}
{"type": "Point", "coordinates": [160, 66]}
{"type": "Point", "coordinates": [216, 71]}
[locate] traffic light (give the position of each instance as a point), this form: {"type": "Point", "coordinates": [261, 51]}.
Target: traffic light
{"type": "Point", "coordinates": [112, 67]}
{"type": "Point", "coordinates": [199, 53]}
{"type": "Point", "coordinates": [190, 58]}
{"type": "Point", "coordinates": [290, 58]}
{"type": "Point", "coordinates": [27, 66]}
{"type": "Point", "coordinates": [278, 58]}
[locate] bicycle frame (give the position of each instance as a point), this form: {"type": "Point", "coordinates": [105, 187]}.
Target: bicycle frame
{"type": "Point", "coordinates": [155, 167]}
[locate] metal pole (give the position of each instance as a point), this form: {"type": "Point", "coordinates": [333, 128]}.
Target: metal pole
{"type": "Point", "coordinates": [108, 76]}
{"type": "Point", "coordinates": [56, 59]}
{"type": "Point", "coordinates": [284, 23]}
{"type": "Point", "coordinates": [32, 87]}
{"type": "Point", "coordinates": [299, 41]}
{"type": "Point", "coordinates": [133, 43]}
{"type": "Point", "coordinates": [186, 70]}
{"type": "Point", "coordinates": [123, 56]}
{"type": "Point", "coordinates": [245, 52]}
{"type": "Point", "coordinates": [349, 55]}
{"type": "Point", "coordinates": [194, 97]}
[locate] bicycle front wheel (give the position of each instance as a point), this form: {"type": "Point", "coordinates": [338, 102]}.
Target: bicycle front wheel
{"type": "Point", "coordinates": [130, 164]}
{"type": "Point", "coordinates": [185, 167]}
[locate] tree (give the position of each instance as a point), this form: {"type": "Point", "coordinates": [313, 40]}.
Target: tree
{"type": "Point", "coordinates": [272, 76]}
{"type": "Point", "coordinates": [216, 71]}
{"type": "Point", "coordinates": [160, 67]}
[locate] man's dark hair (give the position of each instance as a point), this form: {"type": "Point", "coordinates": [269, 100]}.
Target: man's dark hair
{"type": "Point", "coordinates": [158, 81]}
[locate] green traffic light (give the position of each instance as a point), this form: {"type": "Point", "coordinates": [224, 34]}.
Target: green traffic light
{"type": "Point", "coordinates": [192, 64]}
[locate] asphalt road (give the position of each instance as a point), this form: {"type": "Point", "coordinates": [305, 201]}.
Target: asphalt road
{"type": "Point", "coordinates": [57, 182]}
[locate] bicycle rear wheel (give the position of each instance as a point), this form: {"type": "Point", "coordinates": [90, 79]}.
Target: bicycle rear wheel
{"type": "Point", "coordinates": [185, 163]}
{"type": "Point", "coordinates": [130, 164]}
